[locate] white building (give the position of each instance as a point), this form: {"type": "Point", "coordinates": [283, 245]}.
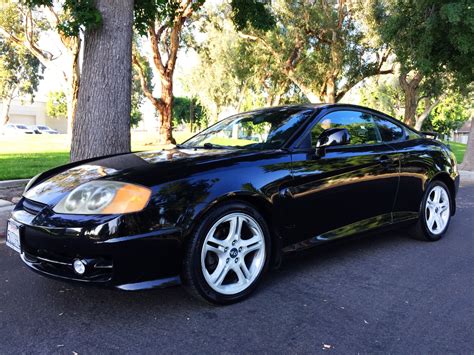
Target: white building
{"type": "Point", "coordinates": [34, 114]}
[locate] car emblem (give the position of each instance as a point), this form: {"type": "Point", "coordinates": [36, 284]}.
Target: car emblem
{"type": "Point", "coordinates": [234, 252]}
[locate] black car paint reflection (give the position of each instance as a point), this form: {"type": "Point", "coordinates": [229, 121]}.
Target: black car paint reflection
{"type": "Point", "coordinates": [306, 200]}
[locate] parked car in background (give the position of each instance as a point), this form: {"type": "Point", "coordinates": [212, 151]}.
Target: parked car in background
{"type": "Point", "coordinates": [39, 129]}
{"type": "Point", "coordinates": [16, 129]}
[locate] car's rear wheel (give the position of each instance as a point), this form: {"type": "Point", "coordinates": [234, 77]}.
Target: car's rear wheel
{"type": "Point", "coordinates": [435, 213]}
{"type": "Point", "coordinates": [228, 255]}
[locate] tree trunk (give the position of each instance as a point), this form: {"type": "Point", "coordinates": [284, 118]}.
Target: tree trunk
{"type": "Point", "coordinates": [330, 90]}
{"type": "Point", "coordinates": [411, 103]}
{"type": "Point", "coordinates": [72, 79]}
{"type": "Point", "coordinates": [166, 111]}
{"type": "Point", "coordinates": [468, 161]}
{"type": "Point", "coordinates": [191, 115]}
{"type": "Point", "coordinates": [429, 106]}
{"type": "Point", "coordinates": [102, 122]}
{"type": "Point", "coordinates": [411, 91]}
{"type": "Point", "coordinates": [6, 103]}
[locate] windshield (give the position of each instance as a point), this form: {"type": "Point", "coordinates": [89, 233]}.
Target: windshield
{"type": "Point", "coordinates": [265, 129]}
{"type": "Point", "coordinates": [43, 128]}
{"type": "Point", "coordinates": [20, 126]}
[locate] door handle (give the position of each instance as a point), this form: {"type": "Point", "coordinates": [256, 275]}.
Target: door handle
{"type": "Point", "coordinates": [286, 192]}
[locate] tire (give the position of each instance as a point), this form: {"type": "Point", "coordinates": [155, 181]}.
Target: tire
{"type": "Point", "coordinates": [435, 213]}
{"type": "Point", "coordinates": [223, 267]}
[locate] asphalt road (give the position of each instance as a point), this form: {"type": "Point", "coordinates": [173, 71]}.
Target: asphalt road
{"type": "Point", "coordinates": [380, 294]}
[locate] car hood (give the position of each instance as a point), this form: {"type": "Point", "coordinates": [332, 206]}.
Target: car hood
{"type": "Point", "coordinates": [145, 168]}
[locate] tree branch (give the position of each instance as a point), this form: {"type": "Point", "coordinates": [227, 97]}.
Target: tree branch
{"type": "Point", "coordinates": [144, 83]}
{"type": "Point", "coordinates": [154, 39]}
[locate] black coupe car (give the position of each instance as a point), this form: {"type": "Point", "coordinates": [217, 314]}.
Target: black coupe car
{"type": "Point", "coordinates": [216, 212]}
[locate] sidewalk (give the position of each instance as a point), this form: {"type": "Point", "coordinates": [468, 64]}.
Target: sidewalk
{"type": "Point", "coordinates": [5, 208]}
{"type": "Point", "coordinates": [10, 193]}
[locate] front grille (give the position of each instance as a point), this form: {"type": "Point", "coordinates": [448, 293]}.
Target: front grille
{"type": "Point", "coordinates": [32, 207]}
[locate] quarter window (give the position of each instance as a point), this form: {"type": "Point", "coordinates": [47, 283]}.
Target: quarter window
{"type": "Point", "coordinates": [389, 131]}
{"type": "Point", "coordinates": [360, 125]}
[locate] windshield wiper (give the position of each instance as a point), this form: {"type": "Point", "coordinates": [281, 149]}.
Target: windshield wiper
{"type": "Point", "coordinates": [215, 146]}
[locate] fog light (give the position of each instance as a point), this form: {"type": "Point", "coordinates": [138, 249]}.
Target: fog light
{"type": "Point", "coordinates": [79, 267]}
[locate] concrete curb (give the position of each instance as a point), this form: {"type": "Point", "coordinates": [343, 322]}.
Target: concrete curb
{"type": "Point", "coordinates": [12, 183]}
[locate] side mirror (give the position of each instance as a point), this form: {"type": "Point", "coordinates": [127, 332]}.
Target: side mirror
{"type": "Point", "coordinates": [332, 137]}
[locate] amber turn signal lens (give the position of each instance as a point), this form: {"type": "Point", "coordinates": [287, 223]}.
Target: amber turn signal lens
{"type": "Point", "coordinates": [129, 198]}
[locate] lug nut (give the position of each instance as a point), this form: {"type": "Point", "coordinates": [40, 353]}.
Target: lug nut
{"type": "Point", "coordinates": [227, 260]}
{"type": "Point", "coordinates": [236, 260]}
{"type": "Point", "coordinates": [226, 248]}
{"type": "Point", "coordinates": [240, 249]}
{"type": "Point", "coordinates": [233, 243]}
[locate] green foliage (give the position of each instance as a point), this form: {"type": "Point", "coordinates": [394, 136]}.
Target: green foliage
{"type": "Point", "coordinates": [430, 36]}
{"type": "Point", "coordinates": [251, 13]}
{"type": "Point", "coordinates": [383, 94]}
{"type": "Point", "coordinates": [449, 115]}
{"type": "Point", "coordinates": [77, 14]}
{"type": "Point", "coordinates": [56, 105]}
{"type": "Point", "coordinates": [315, 44]}
{"type": "Point", "coordinates": [20, 71]}
{"type": "Point", "coordinates": [187, 111]}
{"type": "Point", "coordinates": [233, 72]}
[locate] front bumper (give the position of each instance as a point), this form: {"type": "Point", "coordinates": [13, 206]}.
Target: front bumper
{"type": "Point", "coordinates": [118, 250]}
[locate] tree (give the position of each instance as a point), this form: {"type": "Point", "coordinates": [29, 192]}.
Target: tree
{"type": "Point", "coordinates": [20, 74]}
{"type": "Point", "coordinates": [102, 124]}
{"type": "Point", "coordinates": [468, 162]}
{"type": "Point", "coordinates": [432, 40]}
{"type": "Point", "coordinates": [233, 72]}
{"type": "Point", "coordinates": [56, 104]}
{"type": "Point", "coordinates": [164, 33]}
{"type": "Point", "coordinates": [138, 98]}
{"type": "Point", "coordinates": [187, 111]}
{"type": "Point", "coordinates": [449, 115]}
{"type": "Point", "coordinates": [22, 24]}
{"type": "Point", "coordinates": [320, 47]}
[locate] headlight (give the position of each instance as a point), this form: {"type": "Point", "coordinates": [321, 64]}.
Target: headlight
{"type": "Point", "coordinates": [104, 197]}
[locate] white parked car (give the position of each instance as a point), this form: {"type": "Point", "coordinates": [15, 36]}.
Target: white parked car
{"type": "Point", "coordinates": [17, 129]}
{"type": "Point", "coordinates": [43, 129]}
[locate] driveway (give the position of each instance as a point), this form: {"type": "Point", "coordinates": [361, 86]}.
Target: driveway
{"type": "Point", "coordinates": [383, 293]}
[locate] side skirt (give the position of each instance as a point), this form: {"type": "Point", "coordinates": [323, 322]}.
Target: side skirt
{"type": "Point", "coordinates": [366, 225]}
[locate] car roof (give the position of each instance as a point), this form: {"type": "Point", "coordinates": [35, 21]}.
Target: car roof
{"type": "Point", "coordinates": [333, 105]}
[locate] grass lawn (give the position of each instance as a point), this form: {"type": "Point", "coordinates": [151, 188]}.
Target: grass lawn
{"type": "Point", "coordinates": [22, 157]}
{"type": "Point", "coordinates": [458, 149]}
{"type": "Point", "coordinates": [26, 165]}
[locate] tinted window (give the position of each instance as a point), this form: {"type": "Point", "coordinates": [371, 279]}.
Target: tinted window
{"type": "Point", "coordinates": [266, 129]}
{"type": "Point", "coordinates": [360, 125]}
{"type": "Point", "coordinates": [389, 131]}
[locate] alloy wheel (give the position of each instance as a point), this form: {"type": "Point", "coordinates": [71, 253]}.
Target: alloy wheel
{"type": "Point", "coordinates": [437, 210]}
{"type": "Point", "coordinates": [233, 253]}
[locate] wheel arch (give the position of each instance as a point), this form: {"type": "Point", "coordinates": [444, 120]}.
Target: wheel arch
{"type": "Point", "coordinates": [260, 203]}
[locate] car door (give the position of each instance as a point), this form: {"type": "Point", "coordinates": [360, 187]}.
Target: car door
{"type": "Point", "coordinates": [350, 188]}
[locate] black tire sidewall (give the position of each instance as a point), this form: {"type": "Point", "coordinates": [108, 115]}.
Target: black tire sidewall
{"type": "Point", "coordinates": [426, 231]}
{"type": "Point", "coordinates": [196, 243]}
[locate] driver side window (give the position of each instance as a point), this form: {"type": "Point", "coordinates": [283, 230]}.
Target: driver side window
{"type": "Point", "coordinates": [360, 126]}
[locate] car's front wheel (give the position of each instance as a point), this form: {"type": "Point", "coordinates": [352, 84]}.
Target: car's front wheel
{"type": "Point", "coordinates": [228, 255]}
{"type": "Point", "coordinates": [435, 213]}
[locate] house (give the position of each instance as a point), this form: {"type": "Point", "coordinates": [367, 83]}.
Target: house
{"type": "Point", "coordinates": [30, 114]}
{"type": "Point", "coordinates": [462, 134]}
